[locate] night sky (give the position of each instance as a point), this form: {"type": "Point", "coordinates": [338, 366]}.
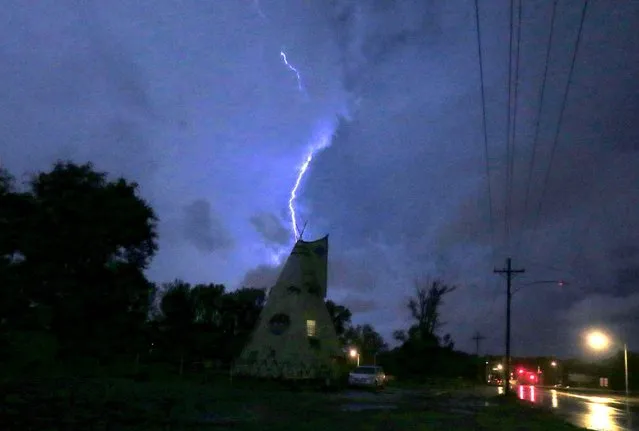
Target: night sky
{"type": "Point", "coordinates": [192, 100]}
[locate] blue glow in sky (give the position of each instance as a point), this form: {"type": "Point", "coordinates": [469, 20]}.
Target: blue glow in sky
{"type": "Point", "coordinates": [379, 145]}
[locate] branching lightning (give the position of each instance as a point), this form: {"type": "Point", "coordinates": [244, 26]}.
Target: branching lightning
{"type": "Point", "coordinates": [293, 69]}
{"type": "Point", "coordinates": [323, 142]}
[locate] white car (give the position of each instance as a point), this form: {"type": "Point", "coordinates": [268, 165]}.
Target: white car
{"type": "Point", "coordinates": [368, 375]}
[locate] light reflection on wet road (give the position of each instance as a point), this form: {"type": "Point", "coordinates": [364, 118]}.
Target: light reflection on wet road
{"type": "Point", "coordinates": [596, 412]}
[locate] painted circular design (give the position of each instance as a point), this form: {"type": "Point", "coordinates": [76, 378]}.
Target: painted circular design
{"type": "Point", "coordinates": [279, 323]}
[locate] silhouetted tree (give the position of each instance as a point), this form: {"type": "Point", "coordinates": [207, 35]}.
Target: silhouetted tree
{"type": "Point", "coordinates": [367, 341]}
{"type": "Point", "coordinates": [422, 350]}
{"type": "Point", "coordinates": [425, 305]}
{"type": "Point", "coordinates": [341, 318]}
{"type": "Point", "coordinates": [14, 304]}
{"type": "Point", "coordinates": [178, 308]}
{"type": "Point", "coordinates": [208, 299]}
{"type": "Point", "coordinates": [77, 244]}
{"type": "Point", "coordinates": [208, 338]}
{"type": "Point", "coordinates": [204, 322]}
{"type": "Point", "coordinates": [241, 311]}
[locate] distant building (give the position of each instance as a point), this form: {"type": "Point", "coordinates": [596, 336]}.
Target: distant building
{"type": "Point", "coordinates": [295, 337]}
{"type": "Point", "coordinates": [579, 379]}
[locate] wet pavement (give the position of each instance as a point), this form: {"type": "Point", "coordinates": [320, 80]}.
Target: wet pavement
{"type": "Point", "coordinates": [359, 400]}
{"type": "Point", "coordinates": [458, 401]}
{"type": "Point", "coordinates": [602, 412]}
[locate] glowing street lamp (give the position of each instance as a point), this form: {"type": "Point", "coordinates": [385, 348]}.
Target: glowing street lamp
{"type": "Point", "coordinates": [355, 354]}
{"type": "Point", "coordinates": [553, 364]}
{"type": "Point", "coordinates": [597, 340]}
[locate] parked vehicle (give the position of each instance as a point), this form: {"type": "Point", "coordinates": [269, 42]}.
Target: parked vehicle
{"type": "Point", "coordinates": [367, 375]}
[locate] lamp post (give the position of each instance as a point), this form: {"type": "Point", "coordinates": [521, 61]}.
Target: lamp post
{"type": "Point", "coordinates": [355, 354]}
{"type": "Point", "coordinates": [598, 340]}
{"type": "Point", "coordinates": [555, 372]}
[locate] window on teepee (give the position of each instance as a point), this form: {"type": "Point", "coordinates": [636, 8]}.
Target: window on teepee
{"type": "Point", "coordinates": [311, 328]}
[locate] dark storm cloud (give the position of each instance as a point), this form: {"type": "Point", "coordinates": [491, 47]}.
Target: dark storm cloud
{"type": "Point", "coordinates": [360, 304]}
{"type": "Point", "coordinates": [261, 276]}
{"type": "Point", "coordinates": [71, 91]}
{"type": "Point", "coordinates": [369, 32]}
{"type": "Point", "coordinates": [204, 228]}
{"type": "Point", "coordinates": [605, 310]}
{"type": "Point", "coordinates": [402, 189]}
{"type": "Point", "coordinates": [270, 227]}
{"type": "Point", "coordinates": [345, 273]}
{"type": "Point", "coordinates": [352, 271]}
{"type": "Point", "coordinates": [412, 155]}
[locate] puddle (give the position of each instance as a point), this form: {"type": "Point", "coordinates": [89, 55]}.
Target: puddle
{"type": "Point", "coordinates": [360, 407]}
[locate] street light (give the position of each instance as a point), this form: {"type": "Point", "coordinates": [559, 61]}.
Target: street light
{"type": "Point", "coordinates": [559, 283]}
{"type": "Point", "coordinates": [355, 354]}
{"type": "Point", "coordinates": [554, 366]}
{"type": "Point", "coordinates": [598, 340]}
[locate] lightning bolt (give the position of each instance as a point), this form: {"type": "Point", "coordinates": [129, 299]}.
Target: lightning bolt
{"type": "Point", "coordinates": [294, 70]}
{"type": "Point", "coordinates": [323, 142]}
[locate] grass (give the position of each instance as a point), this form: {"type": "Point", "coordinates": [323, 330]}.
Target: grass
{"type": "Point", "coordinates": [434, 384]}
{"type": "Point", "coordinates": [119, 404]}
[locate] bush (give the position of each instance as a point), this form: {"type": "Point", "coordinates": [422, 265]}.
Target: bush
{"type": "Point", "coordinates": [30, 352]}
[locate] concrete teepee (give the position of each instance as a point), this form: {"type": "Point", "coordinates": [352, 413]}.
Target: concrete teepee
{"type": "Point", "coordinates": [295, 337]}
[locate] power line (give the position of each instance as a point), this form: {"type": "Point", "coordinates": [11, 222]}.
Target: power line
{"type": "Point", "coordinates": [561, 113]}
{"type": "Point", "coordinates": [542, 93]}
{"type": "Point", "coordinates": [508, 127]}
{"type": "Point", "coordinates": [514, 126]}
{"type": "Point", "coordinates": [484, 128]}
{"type": "Point", "coordinates": [552, 268]}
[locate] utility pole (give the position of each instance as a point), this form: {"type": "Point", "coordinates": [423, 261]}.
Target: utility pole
{"type": "Point", "coordinates": [509, 271]}
{"type": "Point", "coordinates": [477, 338]}
{"type": "Point", "coordinates": [480, 362]}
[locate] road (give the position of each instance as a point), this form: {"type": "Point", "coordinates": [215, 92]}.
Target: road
{"type": "Point", "coordinates": [603, 412]}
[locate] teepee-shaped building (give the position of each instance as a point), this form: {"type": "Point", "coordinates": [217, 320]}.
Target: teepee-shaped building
{"type": "Point", "coordinates": [295, 337]}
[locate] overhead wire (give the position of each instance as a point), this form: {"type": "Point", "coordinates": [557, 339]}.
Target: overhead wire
{"type": "Point", "coordinates": [513, 138]}
{"type": "Point", "coordinates": [484, 129]}
{"type": "Point", "coordinates": [542, 93]}
{"type": "Point", "coordinates": [561, 114]}
{"type": "Point", "coordinates": [491, 219]}
{"type": "Point", "coordinates": [508, 128]}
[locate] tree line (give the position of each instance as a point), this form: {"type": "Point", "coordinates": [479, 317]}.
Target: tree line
{"type": "Point", "coordinates": [74, 246]}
